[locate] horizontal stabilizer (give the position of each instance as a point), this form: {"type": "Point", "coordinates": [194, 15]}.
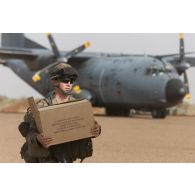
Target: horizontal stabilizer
{"type": "Point", "coordinates": [6, 53]}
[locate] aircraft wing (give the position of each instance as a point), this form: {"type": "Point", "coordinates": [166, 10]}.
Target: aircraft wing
{"type": "Point", "coordinates": [191, 61]}
{"type": "Point", "coordinates": [6, 53]}
{"type": "Point", "coordinates": [175, 60]}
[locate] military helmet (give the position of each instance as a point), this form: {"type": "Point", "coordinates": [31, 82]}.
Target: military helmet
{"type": "Point", "coordinates": [63, 71]}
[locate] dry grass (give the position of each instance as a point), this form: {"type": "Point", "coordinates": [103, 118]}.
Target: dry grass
{"type": "Point", "coordinates": [20, 105]}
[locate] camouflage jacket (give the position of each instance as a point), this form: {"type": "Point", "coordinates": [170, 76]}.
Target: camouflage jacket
{"type": "Point", "coordinates": [32, 150]}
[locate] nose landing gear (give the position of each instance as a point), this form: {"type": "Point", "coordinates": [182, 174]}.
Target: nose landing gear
{"type": "Point", "coordinates": [159, 114]}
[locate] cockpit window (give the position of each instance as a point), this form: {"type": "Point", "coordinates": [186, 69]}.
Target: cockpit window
{"type": "Point", "coordinates": [168, 67]}
{"type": "Point", "coordinates": [155, 70]}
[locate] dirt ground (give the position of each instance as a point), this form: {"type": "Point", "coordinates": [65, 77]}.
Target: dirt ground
{"type": "Point", "coordinates": [137, 139]}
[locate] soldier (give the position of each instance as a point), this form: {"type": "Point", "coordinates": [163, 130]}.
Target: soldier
{"type": "Point", "coordinates": [36, 148]}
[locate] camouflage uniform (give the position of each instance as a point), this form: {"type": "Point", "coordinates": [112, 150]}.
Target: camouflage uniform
{"type": "Point", "coordinates": [33, 152]}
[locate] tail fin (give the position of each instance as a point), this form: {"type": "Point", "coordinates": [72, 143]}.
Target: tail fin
{"type": "Point", "coordinates": [18, 40]}
{"type": "Point", "coordinates": [12, 40]}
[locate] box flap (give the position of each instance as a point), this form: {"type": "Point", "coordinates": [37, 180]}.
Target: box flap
{"type": "Point", "coordinates": [35, 113]}
{"type": "Point", "coordinates": [33, 106]}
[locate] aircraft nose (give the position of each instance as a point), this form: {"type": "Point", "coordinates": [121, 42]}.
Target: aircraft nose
{"type": "Point", "coordinates": [175, 91]}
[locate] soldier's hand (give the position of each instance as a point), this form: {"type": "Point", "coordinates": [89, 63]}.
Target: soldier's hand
{"type": "Point", "coordinates": [43, 140]}
{"type": "Point", "coordinates": [96, 130]}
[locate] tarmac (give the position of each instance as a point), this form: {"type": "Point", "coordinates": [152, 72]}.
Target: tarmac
{"type": "Point", "coordinates": [138, 139]}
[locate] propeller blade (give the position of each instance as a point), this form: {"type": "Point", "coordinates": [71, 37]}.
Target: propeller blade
{"type": "Point", "coordinates": [181, 53]}
{"type": "Point", "coordinates": [38, 75]}
{"type": "Point", "coordinates": [186, 82]}
{"type": "Point", "coordinates": [181, 47]}
{"type": "Point", "coordinates": [77, 50]}
{"type": "Point", "coordinates": [53, 45]}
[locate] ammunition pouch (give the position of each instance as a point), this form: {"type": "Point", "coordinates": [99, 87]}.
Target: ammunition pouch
{"type": "Point", "coordinates": [31, 149]}
{"type": "Point", "coordinates": [25, 155]}
{"type": "Point", "coordinates": [33, 154]}
{"type": "Point", "coordinates": [24, 128]}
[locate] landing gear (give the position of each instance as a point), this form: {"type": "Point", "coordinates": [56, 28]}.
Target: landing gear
{"type": "Point", "coordinates": [117, 112]}
{"type": "Point", "coordinates": [159, 114]}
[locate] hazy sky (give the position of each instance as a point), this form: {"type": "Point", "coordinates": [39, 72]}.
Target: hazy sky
{"type": "Point", "coordinates": [12, 86]}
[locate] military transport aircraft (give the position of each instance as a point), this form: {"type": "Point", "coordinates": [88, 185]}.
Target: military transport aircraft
{"type": "Point", "coordinates": [118, 82]}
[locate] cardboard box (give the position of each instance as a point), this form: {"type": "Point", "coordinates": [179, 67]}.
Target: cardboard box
{"type": "Point", "coordinates": [64, 122]}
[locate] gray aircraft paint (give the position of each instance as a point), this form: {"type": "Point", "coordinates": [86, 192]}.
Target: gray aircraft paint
{"type": "Point", "coordinates": [149, 43]}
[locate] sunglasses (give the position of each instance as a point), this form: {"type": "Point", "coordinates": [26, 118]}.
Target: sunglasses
{"type": "Point", "coordinates": [68, 80]}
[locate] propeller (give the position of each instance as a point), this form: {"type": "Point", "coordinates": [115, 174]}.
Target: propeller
{"type": "Point", "coordinates": [183, 65]}
{"type": "Point", "coordinates": [59, 57]}
{"type": "Point", "coordinates": [180, 64]}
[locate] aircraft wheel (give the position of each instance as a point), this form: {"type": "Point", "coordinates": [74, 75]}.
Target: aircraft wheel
{"type": "Point", "coordinates": [117, 112]}
{"type": "Point", "coordinates": [159, 114]}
